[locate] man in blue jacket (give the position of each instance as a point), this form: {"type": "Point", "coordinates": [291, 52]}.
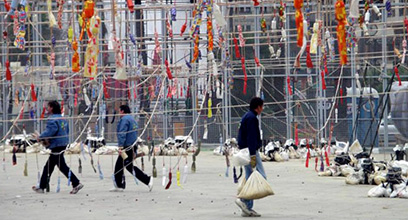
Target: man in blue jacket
{"type": "Point", "coordinates": [127, 136]}
{"type": "Point", "coordinates": [249, 136]}
{"type": "Point", "coordinates": [56, 136]}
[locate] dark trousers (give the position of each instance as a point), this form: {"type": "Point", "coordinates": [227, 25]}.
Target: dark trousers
{"type": "Point", "coordinates": [128, 163]}
{"type": "Point", "coordinates": [58, 160]}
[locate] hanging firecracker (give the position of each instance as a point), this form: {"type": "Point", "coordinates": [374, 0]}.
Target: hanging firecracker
{"type": "Point", "coordinates": [256, 2]}
{"type": "Point", "coordinates": [60, 5]}
{"type": "Point", "coordinates": [241, 36]}
{"type": "Point", "coordinates": [388, 7]}
{"type": "Point", "coordinates": [168, 71]}
{"type": "Point", "coordinates": [309, 62]}
{"type": "Point", "coordinates": [87, 13]}
{"type": "Point", "coordinates": [184, 27]}
{"type": "Point", "coordinates": [298, 4]}
{"type": "Point", "coordinates": [130, 5]}
{"type": "Point", "coordinates": [237, 53]}
{"type": "Point", "coordinates": [196, 50]}
{"type": "Point", "coordinates": [210, 35]}
{"type": "Point", "coordinates": [340, 12]}
{"type": "Point", "coordinates": [398, 76]}
{"type": "Point", "coordinates": [75, 57]}
{"type": "Point", "coordinates": [33, 95]}
{"type": "Point", "coordinates": [263, 24]}
{"type": "Point", "coordinates": [8, 72]}
{"type": "Point", "coordinates": [169, 29]}
{"type": "Point", "coordinates": [289, 87]}
{"type": "Point", "coordinates": [173, 13]}
{"type": "Point", "coordinates": [323, 81]}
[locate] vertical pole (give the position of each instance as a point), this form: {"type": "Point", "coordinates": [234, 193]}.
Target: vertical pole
{"type": "Point", "coordinates": [226, 98]}
{"type": "Point", "coordinates": [385, 76]}
{"type": "Point", "coordinates": [354, 94]}
{"type": "Point", "coordinates": [257, 54]}
{"type": "Point", "coordinates": [287, 74]}
{"type": "Point", "coordinates": [164, 56]}
{"type": "Point", "coordinates": [3, 89]}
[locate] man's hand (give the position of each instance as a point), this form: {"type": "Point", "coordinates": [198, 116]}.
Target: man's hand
{"type": "Point", "coordinates": [253, 161]}
{"type": "Point", "coordinates": [122, 153]}
{"type": "Point", "coordinates": [36, 136]}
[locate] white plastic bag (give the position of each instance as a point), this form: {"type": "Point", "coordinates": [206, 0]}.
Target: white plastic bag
{"type": "Point", "coordinates": [378, 191]}
{"type": "Point", "coordinates": [277, 157]}
{"type": "Point", "coordinates": [284, 155]}
{"type": "Point", "coordinates": [355, 148]}
{"type": "Point", "coordinates": [241, 158]}
{"type": "Point", "coordinates": [346, 170]}
{"type": "Point", "coordinates": [354, 178]}
{"type": "Point", "coordinates": [256, 187]}
{"type": "Point", "coordinates": [403, 193]}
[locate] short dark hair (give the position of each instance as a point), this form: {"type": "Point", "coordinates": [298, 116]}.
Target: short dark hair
{"type": "Point", "coordinates": [56, 108]}
{"type": "Point", "coordinates": [255, 102]}
{"type": "Point", "coordinates": [125, 109]}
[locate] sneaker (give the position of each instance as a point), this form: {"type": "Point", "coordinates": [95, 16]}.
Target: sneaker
{"type": "Point", "coordinates": [254, 214]}
{"type": "Point", "coordinates": [76, 189]}
{"type": "Point", "coordinates": [150, 185]}
{"type": "Point", "coordinates": [116, 189]}
{"type": "Point", "coordinates": [243, 207]}
{"type": "Point", "coordinates": [37, 189]}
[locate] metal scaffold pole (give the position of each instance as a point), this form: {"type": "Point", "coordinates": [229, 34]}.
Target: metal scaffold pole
{"type": "Point", "coordinates": [384, 75]}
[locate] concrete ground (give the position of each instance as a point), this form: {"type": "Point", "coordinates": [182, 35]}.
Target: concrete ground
{"type": "Point", "coordinates": [207, 194]}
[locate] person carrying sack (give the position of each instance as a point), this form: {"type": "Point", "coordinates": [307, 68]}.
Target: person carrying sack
{"type": "Point", "coordinates": [127, 136]}
{"type": "Point", "coordinates": [249, 136]}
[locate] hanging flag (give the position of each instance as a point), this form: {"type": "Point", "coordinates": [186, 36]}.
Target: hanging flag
{"type": "Point", "coordinates": [92, 49]}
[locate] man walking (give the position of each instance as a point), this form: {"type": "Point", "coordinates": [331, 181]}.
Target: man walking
{"type": "Point", "coordinates": [56, 137]}
{"type": "Point", "coordinates": [249, 136]}
{"type": "Point", "coordinates": [127, 136]}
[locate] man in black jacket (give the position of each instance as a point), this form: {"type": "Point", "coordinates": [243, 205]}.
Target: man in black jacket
{"type": "Point", "coordinates": [249, 136]}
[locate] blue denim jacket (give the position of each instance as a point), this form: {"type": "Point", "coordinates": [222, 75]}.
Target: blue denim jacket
{"type": "Point", "coordinates": [126, 131]}
{"type": "Point", "coordinates": [56, 131]}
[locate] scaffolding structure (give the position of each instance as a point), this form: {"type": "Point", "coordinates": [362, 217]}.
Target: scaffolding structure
{"type": "Point", "coordinates": [206, 97]}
